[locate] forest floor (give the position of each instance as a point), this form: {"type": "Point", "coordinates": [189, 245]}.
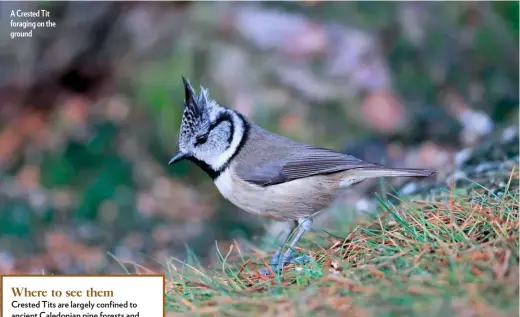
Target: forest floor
{"type": "Point", "coordinates": [451, 256]}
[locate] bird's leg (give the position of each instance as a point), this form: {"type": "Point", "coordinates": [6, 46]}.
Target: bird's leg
{"type": "Point", "coordinates": [304, 225]}
{"type": "Point", "coordinates": [277, 254]}
{"type": "Point", "coordinates": [276, 257]}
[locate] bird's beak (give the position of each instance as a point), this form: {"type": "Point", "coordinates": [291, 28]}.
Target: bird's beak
{"type": "Point", "coordinates": [179, 157]}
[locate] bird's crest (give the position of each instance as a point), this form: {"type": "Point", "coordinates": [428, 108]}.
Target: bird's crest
{"type": "Point", "coordinates": [196, 108]}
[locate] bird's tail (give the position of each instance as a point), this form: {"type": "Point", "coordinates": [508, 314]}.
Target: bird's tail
{"type": "Point", "coordinates": [370, 172]}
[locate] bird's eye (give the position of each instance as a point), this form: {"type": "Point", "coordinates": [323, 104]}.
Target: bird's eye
{"type": "Point", "coordinates": [201, 139]}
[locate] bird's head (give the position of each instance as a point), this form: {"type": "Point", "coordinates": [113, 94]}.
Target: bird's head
{"type": "Point", "coordinates": [210, 134]}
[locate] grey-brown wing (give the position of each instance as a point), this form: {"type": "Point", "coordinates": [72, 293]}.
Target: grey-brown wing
{"type": "Point", "coordinates": [304, 162]}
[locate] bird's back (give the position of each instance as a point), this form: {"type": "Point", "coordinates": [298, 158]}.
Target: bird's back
{"type": "Point", "coordinates": [263, 146]}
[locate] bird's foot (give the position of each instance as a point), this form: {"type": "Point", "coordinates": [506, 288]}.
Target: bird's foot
{"type": "Point", "coordinates": [295, 259]}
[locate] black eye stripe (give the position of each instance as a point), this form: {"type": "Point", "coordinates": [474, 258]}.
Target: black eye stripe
{"type": "Point", "coordinates": [201, 139]}
{"type": "Point", "coordinates": [220, 120]}
{"type": "Point", "coordinates": [225, 118]}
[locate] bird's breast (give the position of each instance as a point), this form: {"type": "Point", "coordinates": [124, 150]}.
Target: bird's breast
{"type": "Point", "coordinates": [240, 193]}
{"type": "Point", "coordinates": [224, 183]}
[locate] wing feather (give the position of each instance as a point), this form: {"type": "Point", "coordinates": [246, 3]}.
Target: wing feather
{"type": "Point", "coordinates": [303, 162]}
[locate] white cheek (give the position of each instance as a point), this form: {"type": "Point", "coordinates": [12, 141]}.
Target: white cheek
{"type": "Point", "coordinates": [216, 159]}
{"type": "Point", "coordinates": [220, 160]}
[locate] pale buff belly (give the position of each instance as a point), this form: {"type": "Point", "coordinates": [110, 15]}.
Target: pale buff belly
{"type": "Point", "coordinates": [286, 201]}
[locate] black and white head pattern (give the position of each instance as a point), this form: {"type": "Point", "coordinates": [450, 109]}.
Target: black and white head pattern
{"type": "Point", "coordinates": [210, 134]}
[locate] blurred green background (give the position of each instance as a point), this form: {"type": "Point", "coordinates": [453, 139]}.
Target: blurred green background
{"type": "Point", "coordinates": [90, 110]}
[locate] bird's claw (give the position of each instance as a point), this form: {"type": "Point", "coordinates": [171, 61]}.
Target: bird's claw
{"type": "Point", "coordinates": [295, 259]}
